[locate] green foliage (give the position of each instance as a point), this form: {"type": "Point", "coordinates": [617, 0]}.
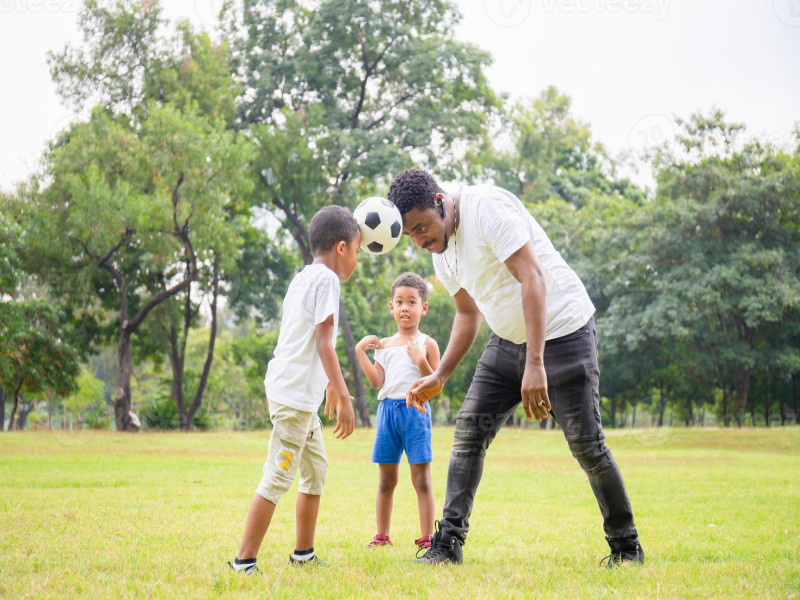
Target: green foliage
{"type": "Point", "coordinates": [708, 287]}
{"type": "Point", "coordinates": [33, 356]}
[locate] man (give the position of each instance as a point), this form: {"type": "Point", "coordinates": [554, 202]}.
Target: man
{"type": "Point", "coordinates": [498, 263]}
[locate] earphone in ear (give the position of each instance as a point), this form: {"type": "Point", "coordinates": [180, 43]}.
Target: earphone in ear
{"type": "Point", "coordinates": [444, 212]}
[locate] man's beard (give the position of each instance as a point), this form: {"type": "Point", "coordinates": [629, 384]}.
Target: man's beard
{"type": "Point", "coordinates": [445, 244]}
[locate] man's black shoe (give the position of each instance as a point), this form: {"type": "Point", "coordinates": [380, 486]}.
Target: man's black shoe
{"type": "Point", "coordinates": [623, 551]}
{"type": "Point", "coordinates": [445, 548]}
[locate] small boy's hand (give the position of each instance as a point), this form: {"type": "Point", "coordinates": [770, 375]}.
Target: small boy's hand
{"type": "Point", "coordinates": [416, 353]}
{"type": "Point", "coordinates": [369, 342]}
{"type": "Point", "coordinates": [331, 400]}
{"type": "Point", "coordinates": [346, 419]}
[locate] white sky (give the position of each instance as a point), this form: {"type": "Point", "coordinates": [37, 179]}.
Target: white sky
{"type": "Point", "coordinates": [630, 66]}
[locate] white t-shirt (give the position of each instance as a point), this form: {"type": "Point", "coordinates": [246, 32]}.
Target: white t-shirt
{"type": "Point", "coordinates": [295, 376]}
{"type": "Point", "coordinates": [493, 224]}
{"type": "Point", "coordinates": [399, 370]}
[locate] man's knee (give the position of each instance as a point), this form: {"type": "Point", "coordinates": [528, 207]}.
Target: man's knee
{"type": "Point", "coordinates": [591, 454]}
{"type": "Point", "coordinates": [473, 434]}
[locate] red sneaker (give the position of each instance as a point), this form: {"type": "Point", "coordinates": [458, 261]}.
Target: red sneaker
{"type": "Point", "coordinates": [380, 540]}
{"type": "Point", "coordinates": [424, 542]}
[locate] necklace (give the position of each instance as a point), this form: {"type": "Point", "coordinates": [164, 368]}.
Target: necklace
{"type": "Point", "coordinates": [456, 219]}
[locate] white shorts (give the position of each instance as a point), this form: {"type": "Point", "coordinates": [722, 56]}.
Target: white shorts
{"type": "Point", "coordinates": [295, 443]}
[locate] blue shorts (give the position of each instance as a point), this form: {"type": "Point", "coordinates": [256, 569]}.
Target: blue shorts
{"type": "Point", "coordinates": [400, 428]}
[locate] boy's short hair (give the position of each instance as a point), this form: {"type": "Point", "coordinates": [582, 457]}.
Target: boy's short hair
{"type": "Point", "coordinates": [412, 280]}
{"type": "Point", "coordinates": [329, 226]}
{"type": "Point", "coordinates": [414, 188]}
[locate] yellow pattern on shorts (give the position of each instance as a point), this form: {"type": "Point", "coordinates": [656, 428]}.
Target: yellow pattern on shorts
{"type": "Point", "coordinates": [286, 464]}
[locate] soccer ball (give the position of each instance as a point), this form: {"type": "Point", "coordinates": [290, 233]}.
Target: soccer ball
{"type": "Point", "coordinates": [381, 224]}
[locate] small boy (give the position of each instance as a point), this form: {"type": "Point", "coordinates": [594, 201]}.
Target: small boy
{"type": "Point", "coordinates": [399, 361]}
{"type": "Point", "coordinates": [304, 364]}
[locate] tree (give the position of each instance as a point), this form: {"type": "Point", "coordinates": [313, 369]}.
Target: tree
{"type": "Point", "coordinates": [345, 93]}
{"type": "Point", "coordinates": [714, 264]}
{"type": "Point", "coordinates": [33, 356]}
{"type": "Point", "coordinates": [148, 190]}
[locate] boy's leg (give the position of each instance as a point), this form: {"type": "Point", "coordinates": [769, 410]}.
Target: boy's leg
{"type": "Point", "coordinates": [259, 517]}
{"type": "Point", "coordinates": [306, 511]}
{"type": "Point", "coordinates": [313, 472]}
{"type": "Point", "coordinates": [286, 444]}
{"type": "Point", "coordinates": [384, 502]}
{"type": "Point", "coordinates": [493, 395]}
{"type": "Point", "coordinates": [573, 388]}
{"type": "Point", "coordinates": [421, 478]}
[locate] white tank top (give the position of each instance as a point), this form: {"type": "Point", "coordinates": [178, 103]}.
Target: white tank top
{"type": "Point", "coordinates": [399, 370]}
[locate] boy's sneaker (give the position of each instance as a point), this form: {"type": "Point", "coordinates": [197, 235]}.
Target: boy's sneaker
{"type": "Point", "coordinates": [247, 568]}
{"type": "Point", "coordinates": [311, 562]}
{"type": "Point", "coordinates": [444, 548]}
{"type": "Point", "coordinates": [380, 540]}
{"type": "Point", "coordinates": [623, 551]}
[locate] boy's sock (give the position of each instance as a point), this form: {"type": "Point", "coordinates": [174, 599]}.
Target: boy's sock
{"type": "Point", "coordinates": [247, 565]}
{"type": "Point", "coordinates": [303, 555]}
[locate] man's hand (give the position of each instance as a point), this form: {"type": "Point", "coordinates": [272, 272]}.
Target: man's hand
{"type": "Point", "coordinates": [369, 342]}
{"type": "Point", "coordinates": [346, 419]}
{"type": "Point", "coordinates": [415, 352]}
{"type": "Point", "coordinates": [422, 390]}
{"type": "Point", "coordinates": [534, 392]}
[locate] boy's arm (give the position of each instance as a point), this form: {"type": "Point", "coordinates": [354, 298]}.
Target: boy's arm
{"type": "Point", "coordinates": [374, 372]}
{"type": "Point", "coordinates": [346, 418]}
{"type": "Point", "coordinates": [426, 359]}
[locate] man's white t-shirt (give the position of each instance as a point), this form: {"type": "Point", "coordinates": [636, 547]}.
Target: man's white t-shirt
{"type": "Point", "coordinates": [295, 375]}
{"type": "Point", "coordinates": [493, 224]}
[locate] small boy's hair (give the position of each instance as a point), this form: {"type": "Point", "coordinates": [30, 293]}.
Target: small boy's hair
{"type": "Point", "coordinates": [414, 188]}
{"type": "Point", "coordinates": [412, 280]}
{"type": "Point", "coordinates": [329, 226]}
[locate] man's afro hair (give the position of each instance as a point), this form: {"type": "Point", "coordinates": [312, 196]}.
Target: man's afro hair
{"type": "Point", "coordinates": [414, 188]}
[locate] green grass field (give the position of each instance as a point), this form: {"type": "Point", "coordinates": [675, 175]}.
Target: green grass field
{"type": "Point", "coordinates": [100, 514]}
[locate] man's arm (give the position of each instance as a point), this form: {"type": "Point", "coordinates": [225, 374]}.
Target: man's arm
{"type": "Point", "coordinates": [346, 419]}
{"type": "Point", "coordinates": [466, 324]}
{"type": "Point", "coordinates": [524, 266]}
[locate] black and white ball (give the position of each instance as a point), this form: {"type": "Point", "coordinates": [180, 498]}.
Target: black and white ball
{"type": "Point", "coordinates": [381, 224]}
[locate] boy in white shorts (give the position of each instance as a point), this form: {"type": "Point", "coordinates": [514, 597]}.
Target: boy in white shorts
{"type": "Point", "coordinates": [304, 364]}
{"type": "Point", "coordinates": [399, 361]}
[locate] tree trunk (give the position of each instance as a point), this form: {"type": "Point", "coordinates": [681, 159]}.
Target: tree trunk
{"type": "Point", "coordinates": [188, 418]}
{"type": "Point", "coordinates": [740, 394]}
{"type": "Point", "coordinates": [22, 416]}
{"type": "Point", "coordinates": [662, 404]}
{"type": "Point", "coordinates": [768, 398]}
{"type": "Point", "coordinates": [613, 412]}
{"type": "Point", "coordinates": [752, 402]}
{"type": "Point", "coordinates": [2, 408]}
{"type": "Point", "coordinates": [14, 407]}
{"type": "Point", "coordinates": [122, 397]}
{"type": "Point", "coordinates": [633, 417]}
{"type": "Point", "coordinates": [724, 405]}
{"type": "Point", "coordinates": [688, 417]}
{"type": "Point", "coordinates": [796, 396]}
{"type": "Point", "coordinates": [350, 345]}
